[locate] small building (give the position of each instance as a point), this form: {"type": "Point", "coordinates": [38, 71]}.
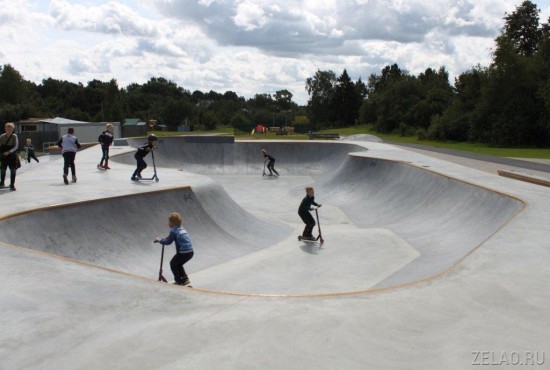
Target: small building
{"type": "Point", "coordinates": [87, 132]}
{"type": "Point", "coordinates": [134, 122]}
{"type": "Point", "coordinates": [134, 127]}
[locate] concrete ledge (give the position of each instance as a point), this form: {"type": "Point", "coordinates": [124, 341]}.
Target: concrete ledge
{"type": "Point", "coordinates": [525, 177]}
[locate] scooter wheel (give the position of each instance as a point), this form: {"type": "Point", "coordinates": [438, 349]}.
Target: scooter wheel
{"type": "Point", "coordinates": [300, 238]}
{"type": "Point", "coordinates": [157, 179]}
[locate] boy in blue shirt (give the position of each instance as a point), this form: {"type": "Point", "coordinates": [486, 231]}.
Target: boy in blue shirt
{"type": "Point", "coordinates": [184, 248]}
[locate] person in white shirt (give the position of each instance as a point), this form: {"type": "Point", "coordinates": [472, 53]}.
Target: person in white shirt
{"type": "Point", "coordinates": [69, 146]}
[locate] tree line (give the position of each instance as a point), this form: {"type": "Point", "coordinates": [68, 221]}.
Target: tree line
{"type": "Point", "coordinates": [158, 99]}
{"type": "Point", "coordinates": [505, 103]}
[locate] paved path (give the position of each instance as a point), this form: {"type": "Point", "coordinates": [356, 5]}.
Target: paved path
{"type": "Point", "coordinates": [514, 162]}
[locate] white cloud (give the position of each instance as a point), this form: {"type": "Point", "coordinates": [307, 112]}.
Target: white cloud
{"type": "Point", "coordinates": [248, 46]}
{"type": "Point", "coordinates": [112, 17]}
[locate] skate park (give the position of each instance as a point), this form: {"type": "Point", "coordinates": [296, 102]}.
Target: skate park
{"type": "Point", "coordinates": [425, 261]}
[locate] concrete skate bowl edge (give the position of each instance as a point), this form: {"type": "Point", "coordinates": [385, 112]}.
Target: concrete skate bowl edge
{"type": "Point", "coordinates": [444, 219]}
{"type": "Point", "coordinates": [116, 233]}
{"type": "Point", "coordinates": [441, 218]}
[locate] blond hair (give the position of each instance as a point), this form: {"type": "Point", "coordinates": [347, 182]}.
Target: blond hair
{"type": "Point", "coordinates": [175, 218]}
{"type": "Point", "coordinates": [10, 124]}
{"type": "Point", "coordinates": [109, 125]}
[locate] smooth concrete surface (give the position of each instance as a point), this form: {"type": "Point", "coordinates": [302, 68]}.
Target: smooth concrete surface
{"type": "Point", "coordinates": [435, 261]}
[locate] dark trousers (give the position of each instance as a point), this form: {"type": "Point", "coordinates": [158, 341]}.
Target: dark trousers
{"type": "Point", "coordinates": [69, 163]}
{"type": "Point", "coordinates": [309, 221]}
{"type": "Point", "coordinates": [141, 165]}
{"type": "Point", "coordinates": [271, 167]}
{"type": "Point", "coordinates": [11, 162]}
{"type": "Point", "coordinates": [176, 264]}
{"type": "Point", "coordinates": [105, 155]}
{"type": "Point", "coordinates": [33, 156]}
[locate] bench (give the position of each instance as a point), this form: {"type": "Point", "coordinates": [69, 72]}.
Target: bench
{"type": "Point", "coordinates": [323, 136]}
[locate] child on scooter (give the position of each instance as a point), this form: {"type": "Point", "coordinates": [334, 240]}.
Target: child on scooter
{"type": "Point", "coordinates": [305, 215]}
{"type": "Point", "coordinates": [184, 248]}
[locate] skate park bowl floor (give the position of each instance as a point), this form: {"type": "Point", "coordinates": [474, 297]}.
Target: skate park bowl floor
{"type": "Point", "coordinates": [385, 223]}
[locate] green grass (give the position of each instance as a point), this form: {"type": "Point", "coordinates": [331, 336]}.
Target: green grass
{"type": "Point", "coordinates": [467, 147]}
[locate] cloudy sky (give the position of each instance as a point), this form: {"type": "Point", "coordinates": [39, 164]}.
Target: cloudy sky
{"type": "Point", "coordinates": [247, 46]}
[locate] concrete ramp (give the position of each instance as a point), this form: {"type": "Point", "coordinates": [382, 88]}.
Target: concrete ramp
{"type": "Point", "coordinates": [386, 223]}
{"type": "Point", "coordinates": [117, 233]}
{"type": "Point", "coordinates": [213, 156]}
{"type": "Point", "coordinates": [443, 218]}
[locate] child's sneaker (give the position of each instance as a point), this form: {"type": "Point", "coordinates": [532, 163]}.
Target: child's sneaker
{"type": "Point", "coordinates": [74, 178]}
{"type": "Point", "coordinates": [99, 167]}
{"type": "Point", "coordinates": [2, 185]}
{"type": "Point", "coordinates": [186, 282]}
{"type": "Point", "coordinates": [106, 167]}
{"type": "Point", "coordinates": [12, 187]}
{"type": "Point", "coordinates": [133, 178]}
{"type": "Point", "coordinates": [65, 180]}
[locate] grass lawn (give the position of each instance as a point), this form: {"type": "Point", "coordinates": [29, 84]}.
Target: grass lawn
{"type": "Point", "coordinates": [468, 147]}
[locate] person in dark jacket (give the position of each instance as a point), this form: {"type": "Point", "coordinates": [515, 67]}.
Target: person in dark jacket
{"type": "Point", "coordinates": [9, 143]}
{"type": "Point", "coordinates": [305, 215]}
{"type": "Point", "coordinates": [270, 163]}
{"type": "Point", "coordinates": [105, 139]}
{"type": "Point", "coordinates": [141, 153]}
{"type": "Point", "coordinates": [184, 248]}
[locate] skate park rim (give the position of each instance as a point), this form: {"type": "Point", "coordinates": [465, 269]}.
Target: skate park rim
{"type": "Point", "coordinates": [305, 295]}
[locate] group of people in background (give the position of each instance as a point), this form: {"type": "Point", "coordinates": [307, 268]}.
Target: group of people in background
{"type": "Point", "coordinates": [68, 143]}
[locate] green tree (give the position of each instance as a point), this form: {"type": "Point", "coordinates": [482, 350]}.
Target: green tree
{"type": "Point", "coordinates": [320, 88]}
{"type": "Point", "coordinates": [240, 119]}
{"type": "Point", "coordinates": [176, 112]}
{"type": "Point", "coordinates": [346, 101]}
{"type": "Point", "coordinates": [12, 87]}
{"type": "Point", "coordinates": [522, 29]}
{"type": "Point", "coordinates": [283, 99]}
{"type": "Point", "coordinates": [437, 96]}
{"type": "Point", "coordinates": [210, 120]}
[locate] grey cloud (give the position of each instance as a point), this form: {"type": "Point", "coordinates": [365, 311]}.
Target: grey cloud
{"type": "Point", "coordinates": [285, 33]}
{"type": "Point", "coordinates": [159, 47]}
{"type": "Point", "coordinates": [78, 66]}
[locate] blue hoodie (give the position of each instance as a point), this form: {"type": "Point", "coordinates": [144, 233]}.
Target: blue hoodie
{"type": "Point", "coordinates": [181, 237]}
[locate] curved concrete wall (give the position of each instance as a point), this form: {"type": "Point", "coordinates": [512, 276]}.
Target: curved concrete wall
{"type": "Point", "coordinates": [444, 219]}
{"type": "Point", "coordinates": [311, 158]}
{"type": "Point", "coordinates": [118, 232]}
